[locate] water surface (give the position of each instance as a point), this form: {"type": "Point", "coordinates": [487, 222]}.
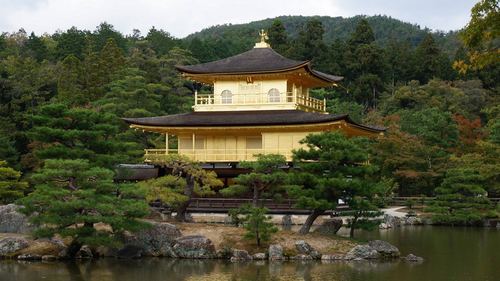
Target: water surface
{"type": "Point", "coordinates": [450, 254]}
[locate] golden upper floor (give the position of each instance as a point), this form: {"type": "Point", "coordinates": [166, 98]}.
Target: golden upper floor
{"type": "Point", "coordinates": [259, 79]}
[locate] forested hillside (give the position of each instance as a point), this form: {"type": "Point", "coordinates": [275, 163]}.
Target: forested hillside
{"type": "Point", "coordinates": [239, 37]}
{"type": "Point", "coordinates": [62, 95]}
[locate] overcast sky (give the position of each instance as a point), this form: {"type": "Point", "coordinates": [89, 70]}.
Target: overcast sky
{"type": "Point", "coordinates": [182, 17]}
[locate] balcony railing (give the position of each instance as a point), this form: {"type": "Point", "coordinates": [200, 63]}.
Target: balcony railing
{"type": "Point", "coordinates": [214, 155]}
{"type": "Point", "coordinates": [288, 98]}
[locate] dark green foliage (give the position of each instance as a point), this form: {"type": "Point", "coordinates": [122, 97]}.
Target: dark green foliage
{"type": "Point", "coordinates": [333, 167]}
{"type": "Point", "coordinates": [70, 42]}
{"type": "Point", "coordinates": [257, 224]}
{"type": "Point", "coordinates": [71, 196]}
{"type": "Point", "coordinates": [461, 199]}
{"type": "Point", "coordinates": [278, 38]}
{"type": "Point", "coordinates": [79, 133]}
{"type": "Point", "coordinates": [265, 179]}
{"type": "Point", "coordinates": [11, 187]}
{"type": "Point", "coordinates": [433, 125]}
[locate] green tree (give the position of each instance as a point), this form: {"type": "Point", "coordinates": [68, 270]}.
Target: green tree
{"type": "Point", "coordinates": [481, 36]}
{"type": "Point", "coordinates": [433, 125]}
{"type": "Point", "coordinates": [71, 196]}
{"type": "Point", "coordinates": [257, 224]}
{"type": "Point", "coordinates": [278, 39]}
{"type": "Point", "coordinates": [69, 84]}
{"type": "Point", "coordinates": [430, 61]}
{"type": "Point", "coordinates": [461, 199]}
{"type": "Point", "coordinates": [78, 133]}
{"type": "Point", "coordinates": [330, 165]}
{"type": "Point", "coordinates": [266, 178]}
{"type": "Point", "coordinates": [11, 187]}
{"type": "Point", "coordinates": [70, 42]}
{"type": "Point", "coordinates": [198, 180]}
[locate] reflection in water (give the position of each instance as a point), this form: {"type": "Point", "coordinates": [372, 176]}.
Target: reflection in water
{"type": "Point", "coordinates": [451, 254]}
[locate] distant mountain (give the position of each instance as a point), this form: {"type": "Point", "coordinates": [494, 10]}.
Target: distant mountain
{"type": "Point", "coordinates": [243, 36]}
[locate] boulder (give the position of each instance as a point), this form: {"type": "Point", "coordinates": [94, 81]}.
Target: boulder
{"type": "Point", "coordinates": [385, 249]}
{"type": "Point", "coordinates": [84, 253]}
{"type": "Point", "coordinates": [259, 256]}
{"type": "Point", "coordinates": [29, 257]}
{"type": "Point", "coordinates": [129, 252]}
{"type": "Point", "coordinates": [412, 220]}
{"type": "Point", "coordinates": [303, 247]}
{"type": "Point", "coordinates": [12, 221]}
{"type": "Point", "coordinates": [49, 258]}
{"type": "Point", "coordinates": [391, 221]}
{"type": "Point", "coordinates": [413, 258]}
{"type": "Point", "coordinates": [156, 240]}
{"type": "Point", "coordinates": [336, 257]}
{"type": "Point", "coordinates": [362, 252]}
{"type": "Point", "coordinates": [384, 225]}
{"type": "Point", "coordinates": [301, 257]}
{"type": "Point", "coordinates": [194, 247]}
{"type": "Point", "coordinates": [240, 255]}
{"type": "Point", "coordinates": [330, 226]}
{"type": "Point", "coordinates": [275, 252]}
{"type": "Point", "coordinates": [286, 220]}
{"type": "Point", "coordinates": [10, 245]}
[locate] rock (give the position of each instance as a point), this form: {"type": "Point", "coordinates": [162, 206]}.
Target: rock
{"type": "Point", "coordinates": [240, 255]}
{"type": "Point", "coordinates": [84, 253]}
{"type": "Point", "coordinates": [29, 257]}
{"type": "Point", "coordinates": [156, 241]}
{"type": "Point", "coordinates": [286, 220]}
{"type": "Point", "coordinates": [385, 249]}
{"type": "Point", "coordinates": [302, 257]}
{"type": "Point", "coordinates": [259, 256]}
{"type": "Point", "coordinates": [12, 221]}
{"type": "Point", "coordinates": [391, 221]}
{"type": "Point", "coordinates": [49, 258]}
{"type": "Point", "coordinates": [315, 254]}
{"type": "Point", "coordinates": [303, 247]}
{"type": "Point", "coordinates": [413, 258]}
{"type": "Point", "coordinates": [104, 251]}
{"type": "Point", "coordinates": [275, 252]}
{"type": "Point", "coordinates": [10, 245]}
{"type": "Point", "coordinates": [336, 257]}
{"type": "Point", "coordinates": [194, 247]}
{"type": "Point", "coordinates": [412, 220]}
{"type": "Point", "coordinates": [384, 225]}
{"type": "Point", "coordinates": [225, 253]}
{"type": "Point", "coordinates": [129, 252]}
{"type": "Point", "coordinates": [363, 252]}
{"type": "Point", "coordinates": [330, 226]}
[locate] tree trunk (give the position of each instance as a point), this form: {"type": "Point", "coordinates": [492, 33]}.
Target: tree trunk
{"type": "Point", "coordinates": [188, 192]}
{"type": "Point", "coordinates": [310, 220]}
{"type": "Point", "coordinates": [255, 198]}
{"type": "Point", "coordinates": [353, 226]}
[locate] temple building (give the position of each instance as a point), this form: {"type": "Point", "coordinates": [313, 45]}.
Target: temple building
{"type": "Point", "coordinates": [260, 105]}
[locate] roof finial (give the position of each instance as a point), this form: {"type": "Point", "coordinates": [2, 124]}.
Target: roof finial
{"type": "Point", "coordinates": [263, 38]}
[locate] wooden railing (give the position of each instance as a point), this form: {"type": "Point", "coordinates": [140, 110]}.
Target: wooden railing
{"type": "Point", "coordinates": [262, 99]}
{"type": "Point", "coordinates": [214, 155]}
{"type": "Point", "coordinates": [222, 205]}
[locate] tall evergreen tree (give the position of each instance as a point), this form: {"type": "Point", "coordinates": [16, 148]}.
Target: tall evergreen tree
{"type": "Point", "coordinates": [278, 38]}
{"type": "Point", "coordinates": [11, 187]}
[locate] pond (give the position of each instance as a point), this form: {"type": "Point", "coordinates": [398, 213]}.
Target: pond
{"type": "Point", "coordinates": [450, 254]}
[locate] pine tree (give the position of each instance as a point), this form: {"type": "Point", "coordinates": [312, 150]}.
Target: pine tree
{"type": "Point", "coordinates": [461, 199]}
{"type": "Point", "coordinates": [257, 224]}
{"type": "Point", "coordinates": [71, 196]}
{"type": "Point", "coordinates": [79, 133]}
{"type": "Point", "coordinates": [69, 84]}
{"type": "Point", "coordinates": [430, 61]}
{"type": "Point", "coordinates": [11, 187]}
{"type": "Point", "coordinates": [198, 180]}
{"type": "Point", "coordinates": [278, 38]}
{"type": "Point", "coordinates": [266, 178]}
{"type": "Point", "coordinates": [332, 169]}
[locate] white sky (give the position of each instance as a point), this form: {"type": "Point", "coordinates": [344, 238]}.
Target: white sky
{"type": "Point", "coordinates": [182, 17]}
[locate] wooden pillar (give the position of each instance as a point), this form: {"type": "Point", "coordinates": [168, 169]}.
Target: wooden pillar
{"type": "Point", "coordinates": [166, 143]}
{"type": "Point", "coordinates": [194, 143]}
{"type": "Point", "coordinates": [195, 97]}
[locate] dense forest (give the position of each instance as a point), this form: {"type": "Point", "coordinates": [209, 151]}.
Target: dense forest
{"type": "Point", "coordinates": [62, 95]}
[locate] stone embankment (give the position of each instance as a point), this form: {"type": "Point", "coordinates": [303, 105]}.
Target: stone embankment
{"type": "Point", "coordinates": [166, 240]}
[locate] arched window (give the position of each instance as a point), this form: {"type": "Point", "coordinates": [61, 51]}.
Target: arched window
{"type": "Point", "coordinates": [226, 97]}
{"type": "Point", "coordinates": [274, 95]}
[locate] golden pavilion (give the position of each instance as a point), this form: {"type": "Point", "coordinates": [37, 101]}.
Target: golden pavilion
{"type": "Point", "coordinates": [260, 105]}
